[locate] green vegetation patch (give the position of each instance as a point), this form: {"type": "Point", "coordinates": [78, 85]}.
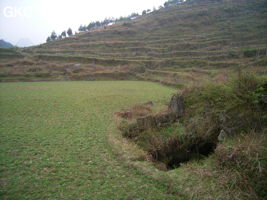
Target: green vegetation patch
{"type": "Point", "coordinates": [54, 141]}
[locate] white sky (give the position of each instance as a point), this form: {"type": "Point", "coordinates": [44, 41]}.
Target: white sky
{"type": "Point", "coordinates": [36, 19]}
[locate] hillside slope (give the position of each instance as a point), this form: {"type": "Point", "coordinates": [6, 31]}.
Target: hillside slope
{"type": "Point", "coordinates": [205, 35]}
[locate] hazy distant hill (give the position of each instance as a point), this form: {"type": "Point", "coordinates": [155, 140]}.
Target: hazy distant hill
{"type": "Point", "coordinates": [198, 35]}
{"type": "Point", "coordinates": [4, 44]}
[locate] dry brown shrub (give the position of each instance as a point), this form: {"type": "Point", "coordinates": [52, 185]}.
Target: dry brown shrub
{"type": "Point", "coordinates": [246, 160]}
{"type": "Point", "coordinates": [134, 112]}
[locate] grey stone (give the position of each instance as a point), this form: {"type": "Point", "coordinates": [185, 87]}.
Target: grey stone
{"type": "Point", "coordinates": [177, 105]}
{"type": "Point", "coordinates": [222, 135]}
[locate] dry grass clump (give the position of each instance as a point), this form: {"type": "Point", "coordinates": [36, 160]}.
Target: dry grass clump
{"type": "Point", "coordinates": [135, 111]}
{"type": "Point", "coordinates": [244, 160]}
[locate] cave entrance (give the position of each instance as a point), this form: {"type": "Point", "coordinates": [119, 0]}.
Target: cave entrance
{"type": "Point", "coordinates": [175, 153]}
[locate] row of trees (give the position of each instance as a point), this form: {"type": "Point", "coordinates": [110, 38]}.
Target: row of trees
{"type": "Point", "coordinates": [172, 2]}
{"type": "Point", "coordinates": [107, 22]}
{"type": "Point", "coordinates": [90, 26]}
{"type": "Point", "coordinates": [94, 25]}
{"type": "Point", "coordinates": [64, 34]}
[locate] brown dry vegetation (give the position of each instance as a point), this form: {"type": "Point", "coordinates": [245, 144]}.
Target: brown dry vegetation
{"type": "Point", "coordinates": [135, 112]}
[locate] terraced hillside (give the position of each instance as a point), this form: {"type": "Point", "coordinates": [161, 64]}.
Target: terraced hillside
{"type": "Point", "coordinates": [192, 41]}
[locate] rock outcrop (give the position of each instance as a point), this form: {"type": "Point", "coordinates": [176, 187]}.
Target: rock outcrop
{"type": "Point", "coordinates": [177, 105]}
{"type": "Point", "coordinates": [174, 112]}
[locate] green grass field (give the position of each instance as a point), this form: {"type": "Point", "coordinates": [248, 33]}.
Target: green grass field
{"type": "Point", "coordinates": [54, 140]}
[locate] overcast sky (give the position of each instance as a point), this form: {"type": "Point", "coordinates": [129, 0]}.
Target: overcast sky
{"type": "Point", "coordinates": [36, 19]}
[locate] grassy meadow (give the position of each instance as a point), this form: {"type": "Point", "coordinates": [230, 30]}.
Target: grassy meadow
{"type": "Point", "coordinates": [54, 140]}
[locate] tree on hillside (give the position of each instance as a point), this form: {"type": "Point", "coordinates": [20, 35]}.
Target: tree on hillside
{"type": "Point", "coordinates": [91, 26]}
{"type": "Point", "coordinates": [105, 22]}
{"type": "Point", "coordinates": [63, 34]}
{"type": "Point", "coordinates": [144, 12]}
{"type": "Point", "coordinates": [82, 28]}
{"type": "Point", "coordinates": [48, 39]}
{"type": "Point", "coordinates": [134, 15]}
{"type": "Point", "coordinates": [69, 32]}
{"type": "Point", "coordinates": [53, 35]}
{"type": "Point", "coordinates": [121, 19]}
{"type": "Point", "coordinates": [59, 37]}
{"type": "Point", "coordinates": [97, 23]}
{"type": "Point", "coordinates": [172, 2]}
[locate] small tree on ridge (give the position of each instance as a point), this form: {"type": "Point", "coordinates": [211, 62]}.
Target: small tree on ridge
{"type": "Point", "coordinates": [69, 32]}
